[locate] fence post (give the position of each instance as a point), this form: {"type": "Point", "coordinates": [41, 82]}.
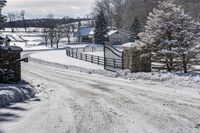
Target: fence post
{"type": "Point", "coordinates": [81, 56]}
{"type": "Point", "coordinates": [122, 60]}
{"type": "Point", "coordinates": [72, 53]}
{"type": "Point", "coordinates": [76, 55]}
{"type": "Point", "coordinates": [98, 60]}
{"type": "Point", "coordinates": [86, 57]}
{"type": "Point", "coordinates": [114, 63]}
{"type": "Point", "coordinates": [92, 58]}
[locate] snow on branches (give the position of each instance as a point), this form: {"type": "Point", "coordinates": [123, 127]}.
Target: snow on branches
{"type": "Point", "coordinates": [172, 35]}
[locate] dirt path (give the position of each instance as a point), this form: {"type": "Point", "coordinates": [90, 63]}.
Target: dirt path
{"type": "Point", "coordinates": [69, 102]}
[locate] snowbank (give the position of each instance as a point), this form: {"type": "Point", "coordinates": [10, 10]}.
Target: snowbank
{"type": "Point", "coordinates": [10, 93]}
{"type": "Point", "coordinates": [184, 80]}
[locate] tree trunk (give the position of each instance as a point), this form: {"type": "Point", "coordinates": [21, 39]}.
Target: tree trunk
{"type": "Point", "coordinates": [52, 43]}
{"type": "Point", "coordinates": [46, 41]}
{"type": "Point", "coordinates": [57, 44]}
{"type": "Point", "coordinates": [168, 65]}
{"type": "Point", "coordinates": [185, 65]}
{"type": "Point", "coordinates": [68, 39]}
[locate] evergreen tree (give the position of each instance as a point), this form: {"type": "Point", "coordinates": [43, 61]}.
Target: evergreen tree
{"type": "Point", "coordinates": [2, 18]}
{"type": "Point", "coordinates": [136, 26]}
{"type": "Point", "coordinates": [172, 35]}
{"type": "Point", "coordinates": [101, 29]}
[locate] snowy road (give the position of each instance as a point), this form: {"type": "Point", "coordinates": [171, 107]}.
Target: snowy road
{"type": "Point", "coordinates": [70, 102]}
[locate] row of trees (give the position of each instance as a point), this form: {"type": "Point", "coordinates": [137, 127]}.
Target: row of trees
{"type": "Point", "coordinates": [12, 17]}
{"type": "Point", "coordinates": [54, 31]}
{"type": "Point", "coordinates": [172, 36]}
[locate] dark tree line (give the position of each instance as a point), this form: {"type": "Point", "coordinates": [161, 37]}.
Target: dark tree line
{"type": "Point", "coordinates": [36, 22]}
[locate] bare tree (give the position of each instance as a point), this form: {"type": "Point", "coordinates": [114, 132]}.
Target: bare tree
{"type": "Point", "coordinates": [61, 31]}
{"type": "Point", "coordinates": [51, 25]}
{"type": "Point", "coordinates": [45, 35]}
{"type": "Point", "coordinates": [22, 16]}
{"type": "Point", "coordinates": [11, 18]}
{"type": "Point", "coordinates": [68, 32]}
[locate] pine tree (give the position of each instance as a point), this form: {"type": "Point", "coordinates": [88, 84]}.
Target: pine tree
{"type": "Point", "coordinates": [2, 18]}
{"type": "Point", "coordinates": [171, 34]}
{"type": "Point", "coordinates": [136, 26]}
{"type": "Point", "coordinates": [101, 29]}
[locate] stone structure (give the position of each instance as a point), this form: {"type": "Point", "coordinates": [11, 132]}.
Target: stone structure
{"type": "Point", "coordinates": [8, 62]}
{"type": "Point", "coordinates": [136, 59]}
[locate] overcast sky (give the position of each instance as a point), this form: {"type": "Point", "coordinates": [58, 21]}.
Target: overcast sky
{"type": "Point", "coordinates": [41, 8]}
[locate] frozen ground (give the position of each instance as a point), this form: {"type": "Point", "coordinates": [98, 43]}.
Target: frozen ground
{"type": "Point", "coordinates": [72, 102]}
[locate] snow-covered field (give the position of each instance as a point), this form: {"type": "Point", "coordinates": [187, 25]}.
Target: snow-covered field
{"type": "Point", "coordinates": [73, 102]}
{"type": "Point", "coordinates": [60, 57]}
{"type": "Point", "coordinates": [30, 40]}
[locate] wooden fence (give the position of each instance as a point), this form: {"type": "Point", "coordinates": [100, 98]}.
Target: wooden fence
{"type": "Point", "coordinates": [112, 63]}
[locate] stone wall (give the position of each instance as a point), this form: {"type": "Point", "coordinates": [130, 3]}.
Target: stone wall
{"type": "Point", "coordinates": [136, 60]}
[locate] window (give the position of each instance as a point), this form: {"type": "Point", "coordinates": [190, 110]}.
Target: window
{"type": "Point", "coordinates": [117, 41]}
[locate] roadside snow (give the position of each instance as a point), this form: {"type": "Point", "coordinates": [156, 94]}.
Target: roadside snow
{"type": "Point", "coordinates": [60, 57]}
{"type": "Point", "coordinates": [10, 93]}
{"type": "Point", "coordinates": [185, 80]}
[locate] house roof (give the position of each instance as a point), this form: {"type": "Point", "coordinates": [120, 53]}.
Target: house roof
{"type": "Point", "coordinates": [85, 31]}
{"type": "Point", "coordinates": [136, 44]}
{"type": "Point", "coordinates": [111, 32]}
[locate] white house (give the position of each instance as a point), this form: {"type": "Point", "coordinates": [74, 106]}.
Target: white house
{"type": "Point", "coordinates": [118, 37]}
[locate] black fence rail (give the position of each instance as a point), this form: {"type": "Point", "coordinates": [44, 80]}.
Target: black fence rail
{"type": "Point", "coordinates": [115, 64]}
{"type": "Point", "coordinates": [159, 65]}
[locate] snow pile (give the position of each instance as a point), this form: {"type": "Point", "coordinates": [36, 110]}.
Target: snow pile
{"type": "Point", "coordinates": [185, 80]}
{"type": "Point", "coordinates": [10, 93]}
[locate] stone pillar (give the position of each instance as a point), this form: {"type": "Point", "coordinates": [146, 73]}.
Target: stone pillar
{"type": "Point", "coordinates": [14, 55]}
{"type": "Point", "coordinates": [9, 55]}
{"type": "Point", "coordinates": [136, 60]}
